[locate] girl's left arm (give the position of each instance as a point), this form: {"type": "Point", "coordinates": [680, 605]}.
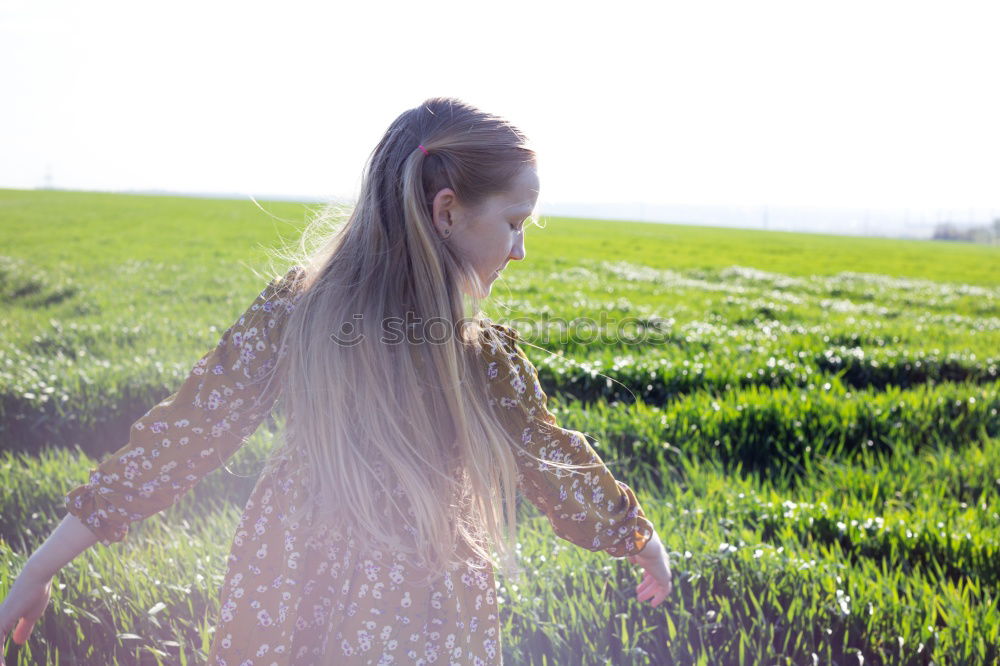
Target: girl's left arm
{"type": "Point", "coordinates": [229, 391]}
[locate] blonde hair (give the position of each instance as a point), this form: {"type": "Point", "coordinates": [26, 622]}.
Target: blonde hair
{"type": "Point", "coordinates": [397, 440]}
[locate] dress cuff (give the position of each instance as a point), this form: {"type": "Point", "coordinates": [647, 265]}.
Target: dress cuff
{"type": "Point", "coordinates": [107, 522]}
{"type": "Point", "coordinates": [635, 531]}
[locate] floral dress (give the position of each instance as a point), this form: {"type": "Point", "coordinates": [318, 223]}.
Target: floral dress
{"type": "Point", "coordinates": [296, 594]}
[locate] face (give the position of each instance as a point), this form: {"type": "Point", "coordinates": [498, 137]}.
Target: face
{"type": "Point", "coordinates": [491, 234]}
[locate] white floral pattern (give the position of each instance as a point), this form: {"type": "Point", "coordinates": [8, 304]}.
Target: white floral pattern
{"type": "Point", "coordinates": [586, 506]}
{"type": "Point", "coordinates": [299, 594]}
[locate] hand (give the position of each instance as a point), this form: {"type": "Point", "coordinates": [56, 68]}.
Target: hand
{"type": "Point", "coordinates": [656, 582]}
{"type": "Point", "coordinates": [25, 603]}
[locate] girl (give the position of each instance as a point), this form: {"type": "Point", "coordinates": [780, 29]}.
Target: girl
{"type": "Point", "coordinates": [372, 534]}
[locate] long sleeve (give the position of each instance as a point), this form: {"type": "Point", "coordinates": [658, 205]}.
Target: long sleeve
{"type": "Point", "coordinates": [588, 506]}
{"type": "Point", "coordinates": [229, 391]}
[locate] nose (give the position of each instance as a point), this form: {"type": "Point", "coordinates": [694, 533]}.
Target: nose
{"type": "Point", "coordinates": [517, 251]}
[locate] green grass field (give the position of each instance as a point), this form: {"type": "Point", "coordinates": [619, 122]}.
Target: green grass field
{"type": "Point", "coordinates": [811, 421]}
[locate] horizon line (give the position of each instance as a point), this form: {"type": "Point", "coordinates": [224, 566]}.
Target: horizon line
{"type": "Point", "coordinates": [611, 211]}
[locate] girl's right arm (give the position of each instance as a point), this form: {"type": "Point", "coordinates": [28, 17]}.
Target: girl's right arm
{"type": "Point", "coordinates": [657, 581]}
{"type": "Point", "coordinates": [586, 506]}
{"type": "Point", "coordinates": [29, 595]}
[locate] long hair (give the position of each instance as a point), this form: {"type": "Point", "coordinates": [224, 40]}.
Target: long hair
{"type": "Point", "coordinates": [392, 430]}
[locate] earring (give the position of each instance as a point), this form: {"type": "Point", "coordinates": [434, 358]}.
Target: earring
{"type": "Point", "coordinates": [446, 233]}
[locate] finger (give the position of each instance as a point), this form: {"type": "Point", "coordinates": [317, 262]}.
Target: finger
{"type": "Point", "coordinates": [23, 630]}
{"type": "Point", "coordinates": [647, 594]}
{"type": "Point", "coordinates": [658, 599]}
{"type": "Point", "coordinates": [27, 623]}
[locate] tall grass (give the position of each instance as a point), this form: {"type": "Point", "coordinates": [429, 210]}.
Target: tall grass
{"type": "Point", "coordinates": [812, 422]}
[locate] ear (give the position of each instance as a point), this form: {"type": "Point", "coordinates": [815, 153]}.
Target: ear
{"type": "Point", "coordinates": [445, 203]}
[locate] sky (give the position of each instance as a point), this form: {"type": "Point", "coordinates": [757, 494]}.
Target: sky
{"type": "Point", "coordinates": [872, 105]}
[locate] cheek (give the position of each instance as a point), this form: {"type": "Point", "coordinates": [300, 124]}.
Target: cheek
{"type": "Point", "coordinates": [488, 247]}
{"type": "Point", "coordinates": [503, 250]}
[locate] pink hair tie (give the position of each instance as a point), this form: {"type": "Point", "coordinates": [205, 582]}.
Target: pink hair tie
{"type": "Point", "coordinates": [423, 150]}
